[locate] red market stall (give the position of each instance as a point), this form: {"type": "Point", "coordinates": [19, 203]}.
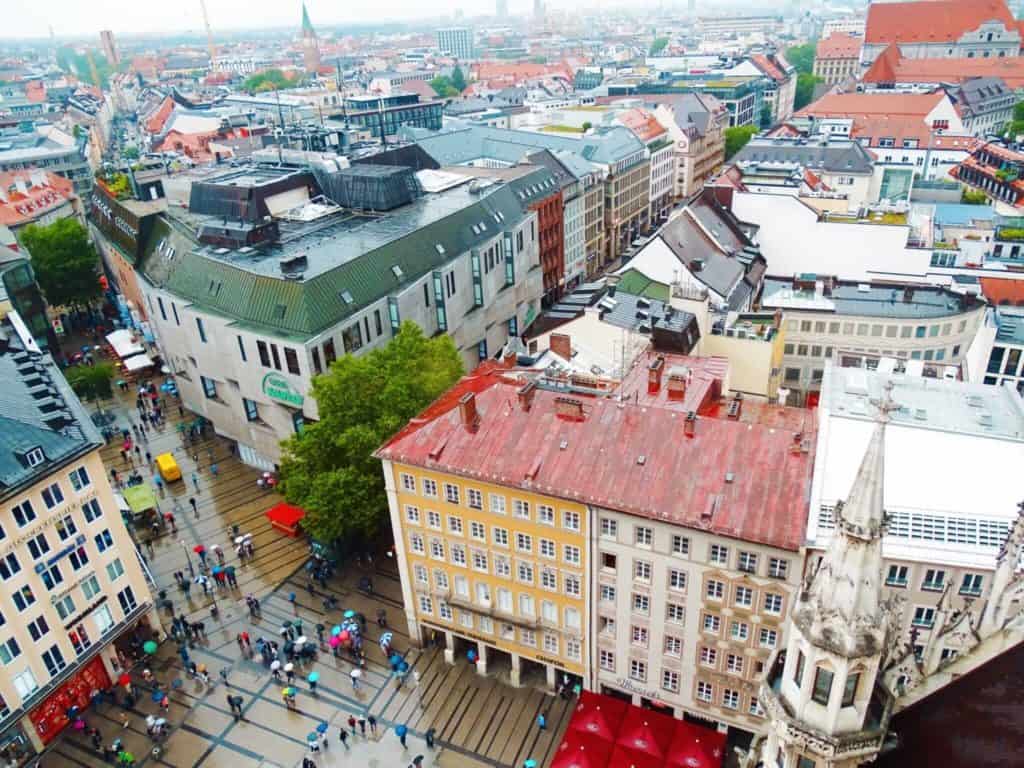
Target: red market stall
{"type": "Point", "coordinates": [50, 717]}
{"type": "Point", "coordinates": [580, 751]}
{"type": "Point", "coordinates": [645, 731]}
{"type": "Point", "coordinates": [598, 716]}
{"type": "Point", "coordinates": [286, 518]}
{"type": "Point", "coordinates": [696, 747]}
{"type": "Point", "coordinates": [624, 757]}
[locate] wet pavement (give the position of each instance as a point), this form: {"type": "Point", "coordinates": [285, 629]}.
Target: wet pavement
{"type": "Point", "coordinates": [479, 721]}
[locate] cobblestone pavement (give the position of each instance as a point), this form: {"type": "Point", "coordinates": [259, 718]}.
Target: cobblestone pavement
{"type": "Point", "coordinates": [479, 721]}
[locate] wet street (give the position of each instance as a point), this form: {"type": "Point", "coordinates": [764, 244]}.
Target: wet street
{"type": "Point", "coordinates": [478, 721]}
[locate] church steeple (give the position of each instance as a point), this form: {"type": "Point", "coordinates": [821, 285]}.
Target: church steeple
{"type": "Point", "coordinates": [310, 45]}
{"type": "Point", "coordinates": [822, 698]}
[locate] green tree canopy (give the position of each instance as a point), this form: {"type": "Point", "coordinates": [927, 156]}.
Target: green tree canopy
{"type": "Point", "coordinates": [804, 90]}
{"type": "Point", "coordinates": [659, 45]}
{"type": "Point", "coordinates": [271, 80]}
{"type": "Point", "coordinates": [91, 382]}
{"type": "Point", "coordinates": [1016, 126]}
{"type": "Point", "coordinates": [458, 79]}
{"type": "Point", "coordinates": [737, 138]}
{"type": "Point", "coordinates": [329, 469]}
{"type": "Point", "coordinates": [802, 58]}
{"type": "Point", "coordinates": [442, 85]}
{"type": "Point", "coordinates": [64, 261]}
{"type": "Point", "coordinates": [130, 153]}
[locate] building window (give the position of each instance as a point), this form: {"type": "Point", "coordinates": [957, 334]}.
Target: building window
{"type": "Point", "coordinates": [38, 546]}
{"type": "Point", "coordinates": [477, 530]}
{"type": "Point", "coordinates": [241, 349]}
{"type": "Point", "coordinates": [715, 590]}
{"type": "Point", "coordinates": [680, 545]}
{"type": "Point", "coordinates": [474, 499]}
{"type": "Point", "coordinates": [934, 580]}
{"type": "Point", "coordinates": [545, 514]}
{"type": "Point", "coordinates": [264, 353]}
{"type": "Point", "coordinates": [924, 617]}
{"type": "Point", "coordinates": [571, 520]}
{"type": "Point", "coordinates": [642, 570]}
{"type": "Point", "coordinates": [641, 603]}
{"type": "Point", "coordinates": [822, 685]}
{"type": "Point", "coordinates": [54, 660]}
{"type": "Point", "coordinates": [639, 635]}
{"type": "Point", "coordinates": [455, 525]}
{"type": "Point", "coordinates": [705, 691]}
{"type": "Point", "coordinates": [718, 554]}
{"type": "Point", "coordinates": [9, 651]}
{"type": "Point", "coordinates": [497, 503]}
{"type": "Point", "coordinates": [429, 488]}
{"type": "Point", "coordinates": [521, 509]}
{"type": "Point", "coordinates": [773, 603]}
{"type": "Point", "coordinates": [209, 387]}
{"type": "Point", "coordinates": [971, 584]}
{"type": "Point", "coordinates": [79, 479]}
{"type": "Point", "coordinates": [252, 410]}
{"type": "Point", "coordinates": [675, 613]}
{"type": "Point", "coordinates": [52, 496]}
{"type": "Point", "coordinates": [126, 598]}
{"type": "Point", "coordinates": [744, 597]}
{"type": "Point", "coordinates": [897, 576]}
{"type": "Point", "coordinates": [670, 680]}
{"type": "Point", "coordinates": [777, 568]}
{"type": "Point", "coordinates": [291, 360]}
{"type": "Point", "coordinates": [850, 689]}
{"type": "Point", "coordinates": [609, 528]}
{"type": "Point", "coordinates": [740, 631]}
{"type": "Point", "coordinates": [607, 660]}
{"type": "Point", "coordinates": [748, 562]}
{"type": "Point", "coordinates": [524, 542]}
{"type": "Point", "coordinates": [712, 623]}
{"type": "Point", "coordinates": [201, 329]}
{"type": "Point", "coordinates": [37, 628]}
{"type": "Point", "coordinates": [730, 699]}
{"type": "Point", "coordinates": [103, 540]}
{"type": "Point", "coordinates": [643, 536]}
{"type": "Point", "coordinates": [798, 671]}
{"type": "Point", "coordinates": [638, 670]}
{"type": "Point", "coordinates": [9, 566]}
{"type": "Point", "coordinates": [677, 580]}
{"type": "Point", "coordinates": [734, 664]}
{"type": "Point", "coordinates": [24, 513]}
{"type": "Point", "coordinates": [768, 638]}
{"type": "Point", "coordinates": [115, 570]}
{"type": "Point", "coordinates": [805, 762]}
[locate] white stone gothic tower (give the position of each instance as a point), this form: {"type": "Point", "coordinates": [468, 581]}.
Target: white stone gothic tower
{"type": "Point", "coordinates": [824, 697]}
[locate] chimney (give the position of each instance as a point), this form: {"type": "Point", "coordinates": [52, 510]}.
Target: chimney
{"type": "Point", "coordinates": [561, 345]}
{"type": "Point", "coordinates": [654, 372]}
{"type": "Point", "coordinates": [569, 408]}
{"type": "Point", "coordinates": [908, 294]}
{"type": "Point", "coordinates": [690, 425]}
{"type": "Point", "coordinates": [525, 395]}
{"type": "Point", "coordinates": [467, 411]}
{"type": "Point", "coordinates": [677, 380]}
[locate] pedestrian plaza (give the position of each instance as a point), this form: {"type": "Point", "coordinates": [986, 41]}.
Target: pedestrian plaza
{"type": "Point", "coordinates": [478, 721]}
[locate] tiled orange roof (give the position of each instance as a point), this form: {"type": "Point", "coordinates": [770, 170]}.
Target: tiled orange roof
{"type": "Point", "coordinates": [854, 104]}
{"type": "Point", "coordinates": [642, 123]}
{"type": "Point", "coordinates": [839, 45]}
{"type": "Point", "coordinates": [933, 21]}
{"type": "Point", "coordinates": [158, 119]}
{"type": "Point", "coordinates": [1002, 291]}
{"type": "Point", "coordinates": [769, 67]}
{"type": "Point", "coordinates": [23, 207]}
{"type": "Point", "coordinates": [892, 67]}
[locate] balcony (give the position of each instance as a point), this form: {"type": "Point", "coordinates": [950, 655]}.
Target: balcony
{"type": "Point", "coordinates": [846, 746]}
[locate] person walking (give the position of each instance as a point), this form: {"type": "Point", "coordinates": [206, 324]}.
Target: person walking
{"type": "Point", "coordinates": [352, 724]}
{"type": "Point", "coordinates": [373, 724]}
{"type": "Point", "coordinates": [195, 507]}
{"type": "Point", "coordinates": [343, 735]}
{"type": "Point", "coordinates": [429, 736]}
{"type": "Point", "coordinates": [354, 676]}
{"type": "Point", "coordinates": [542, 721]}
{"type": "Point", "coordinates": [362, 726]}
{"type": "Point", "coordinates": [195, 480]}
{"type": "Point", "coordinates": [417, 762]}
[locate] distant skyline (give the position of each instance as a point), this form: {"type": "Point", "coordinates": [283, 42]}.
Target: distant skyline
{"type": "Point", "coordinates": [73, 18]}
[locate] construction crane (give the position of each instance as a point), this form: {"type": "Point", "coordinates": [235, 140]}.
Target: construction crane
{"type": "Point", "coordinates": [209, 34]}
{"type": "Point", "coordinates": [93, 72]}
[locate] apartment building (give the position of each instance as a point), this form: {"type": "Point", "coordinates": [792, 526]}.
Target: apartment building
{"type": "Point", "coordinates": [696, 124]}
{"type": "Point", "coordinates": [830, 319]}
{"type": "Point", "coordinates": [837, 57]}
{"type": "Point", "coordinates": [246, 311]}
{"type": "Point", "coordinates": [74, 592]}
{"type": "Point", "coordinates": [685, 580]}
{"type": "Point", "coordinates": [943, 537]}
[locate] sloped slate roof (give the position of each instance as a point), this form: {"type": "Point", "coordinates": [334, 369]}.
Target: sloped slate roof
{"type": "Point", "coordinates": [846, 156]}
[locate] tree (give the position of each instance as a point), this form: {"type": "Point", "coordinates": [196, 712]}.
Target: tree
{"type": "Point", "coordinates": [1016, 126]}
{"type": "Point", "coordinates": [973, 197]}
{"type": "Point", "coordinates": [766, 116]}
{"type": "Point", "coordinates": [64, 261]}
{"type": "Point", "coordinates": [443, 87]}
{"type": "Point", "coordinates": [91, 382]}
{"type": "Point", "coordinates": [587, 125]}
{"type": "Point", "coordinates": [804, 90]}
{"type": "Point", "coordinates": [802, 58]}
{"type": "Point", "coordinates": [659, 45]}
{"type": "Point", "coordinates": [271, 80]}
{"type": "Point", "coordinates": [329, 469]}
{"type": "Point", "coordinates": [130, 153]}
{"type": "Point", "coordinates": [737, 138]}
{"type": "Point", "coordinates": [458, 79]}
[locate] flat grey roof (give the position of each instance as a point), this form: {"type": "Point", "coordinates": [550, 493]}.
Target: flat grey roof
{"type": "Point", "coordinates": [865, 300]}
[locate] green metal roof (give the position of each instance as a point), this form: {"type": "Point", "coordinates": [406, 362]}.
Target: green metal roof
{"type": "Point", "coordinates": [637, 283]}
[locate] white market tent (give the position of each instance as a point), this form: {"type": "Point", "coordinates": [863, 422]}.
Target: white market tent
{"type": "Point", "coordinates": [137, 362]}
{"type": "Point", "coordinates": [124, 344]}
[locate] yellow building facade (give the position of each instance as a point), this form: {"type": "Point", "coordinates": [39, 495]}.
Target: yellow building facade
{"type": "Point", "coordinates": [491, 568]}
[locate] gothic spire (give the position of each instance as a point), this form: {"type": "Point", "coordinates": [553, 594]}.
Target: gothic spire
{"type": "Point", "coordinates": [307, 25]}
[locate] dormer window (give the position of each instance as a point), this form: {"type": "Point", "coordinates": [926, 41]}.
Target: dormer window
{"type": "Point", "coordinates": [35, 457]}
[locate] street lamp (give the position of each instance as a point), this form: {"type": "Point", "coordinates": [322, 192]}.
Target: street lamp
{"type": "Point", "coordinates": [188, 558]}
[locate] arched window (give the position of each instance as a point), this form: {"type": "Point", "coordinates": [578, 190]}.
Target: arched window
{"type": "Point", "coordinates": [850, 688]}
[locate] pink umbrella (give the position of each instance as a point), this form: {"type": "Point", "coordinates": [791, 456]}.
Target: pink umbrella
{"type": "Point", "coordinates": [344, 636]}
{"type": "Point", "coordinates": [335, 641]}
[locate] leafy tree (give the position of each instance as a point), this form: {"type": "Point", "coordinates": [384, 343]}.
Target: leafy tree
{"type": "Point", "coordinates": [130, 153]}
{"type": "Point", "coordinates": [658, 45]}
{"type": "Point", "coordinates": [64, 261]}
{"type": "Point", "coordinates": [442, 85]}
{"type": "Point", "coordinates": [802, 58]}
{"type": "Point", "coordinates": [737, 138]}
{"type": "Point", "coordinates": [973, 197]}
{"type": "Point", "coordinates": [458, 79]}
{"type": "Point", "coordinates": [766, 116]}
{"type": "Point", "coordinates": [804, 90]}
{"type": "Point", "coordinates": [587, 125]}
{"type": "Point", "coordinates": [1016, 126]}
{"type": "Point", "coordinates": [91, 382]}
{"type": "Point", "coordinates": [329, 469]}
{"type": "Point", "coordinates": [271, 80]}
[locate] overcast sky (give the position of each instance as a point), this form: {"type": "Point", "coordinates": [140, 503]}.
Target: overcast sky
{"type": "Point", "coordinates": [81, 18]}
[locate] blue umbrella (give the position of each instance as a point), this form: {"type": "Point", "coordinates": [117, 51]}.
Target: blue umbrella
{"type": "Point", "coordinates": [395, 660]}
{"type": "Point", "coordinates": [313, 676]}
{"type": "Point", "coordinates": [336, 629]}
{"type": "Point", "coordinates": [313, 736]}
{"type": "Point", "coordinates": [531, 763]}
{"type": "Point", "coordinates": [401, 730]}
{"type": "Point", "coordinates": [157, 695]}
{"type": "Point", "coordinates": [349, 614]}
{"type": "Point", "coordinates": [322, 728]}
{"type": "Point", "coordinates": [403, 667]}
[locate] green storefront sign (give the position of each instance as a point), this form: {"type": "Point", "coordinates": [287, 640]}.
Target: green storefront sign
{"type": "Point", "coordinates": [277, 387]}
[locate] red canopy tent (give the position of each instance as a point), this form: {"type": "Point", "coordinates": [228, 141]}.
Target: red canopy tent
{"type": "Point", "coordinates": [598, 716]}
{"type": "Point", "coordinates": [578, 750]}
{"type": "Point", "coordinates": [646, 731]}
{"type": "Point", "coordinates": [696, 747]}
{"type": "Point", "coordinates": [286, 518]}
{"type": "Point", "coordinates": [624, 757]}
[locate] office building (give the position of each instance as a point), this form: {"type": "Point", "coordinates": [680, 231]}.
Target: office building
{"type": "Point", "coordinates": [456, 42]}
{"type": "Point", "coordinates": [75, 595]}
{"type": "Point", "coordinates": [383, 116]}
{"type": "Point", "coordinates": [44, 146]}
{"type": "Point", "coordinates": [837, 58]}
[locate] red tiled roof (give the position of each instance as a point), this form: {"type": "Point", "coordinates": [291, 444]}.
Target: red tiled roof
{"type": "Point", "coordinates": [900, 127]}
{"type": "Point", "coordinates": [933, 21]}
{"type": "Point", "coordinates": [1002, 291]}
{"type": "Point", "coordinates": [854, 104]}
{"type": "Point", "coordinates": [892, 67]}
{"type": "Point", "coordinates": [839, 45]}
{"type": "Point", "coordinates": [642, 123]}
{"type": "Point", "coordinates": [158, 119]}
{"type": "Point", "coordinates": [768, 66]}
{"type": "Point", "coordinates": [679, 479]}
{"type": "Point", "coordinates": [21, 208]}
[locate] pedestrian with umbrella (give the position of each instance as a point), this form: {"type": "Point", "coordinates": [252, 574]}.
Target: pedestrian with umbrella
{"type": "Point", "coordinates": [313, 677]}
{"type": "Point", "coordinates": [275, 669]}
{"type": "Point", "coordinates": [400, 731]}
{"type": "Point", "coordinates": [355, 674]}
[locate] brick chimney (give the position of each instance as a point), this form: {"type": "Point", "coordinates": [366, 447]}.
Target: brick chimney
{"type": "Point", "coordinates": [467, 411]}
{"type": "Point", "coordinates": [654, 372]}
{"type": "Point", "coordinates": [677, 382]}
{"type": "Point", "coordinates": [569, 408]}
{"type": "Point", "coordinates": [525, 395]}
{"type": "Point", "coordinates": [561, 345]}
{"type": "Point", "coordinates": [690, 424]}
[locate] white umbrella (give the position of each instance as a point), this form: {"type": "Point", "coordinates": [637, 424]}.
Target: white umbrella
{"type": "Point", "coordinates": [356, 673]}
{"type": "Point", "coordinates": [289, 667]}
{"type": "Point", "coordinates": [301, 640]}
{"type": "Point", "coordinates": [239, 539]}
{"type": "Point", "coordinates": [275, 664]}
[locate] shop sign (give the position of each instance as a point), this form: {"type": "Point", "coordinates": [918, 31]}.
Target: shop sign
{"type": "Point", "coordinates": [277, 387]}
{"type": "Point", "coordinates": [625, 684]}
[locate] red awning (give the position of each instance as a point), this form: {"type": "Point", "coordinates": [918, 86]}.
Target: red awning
{"type": "Point", "coordinates": [624, 757]}
{"type": "Point", "coordinates": [645, 731]}
{"type": "Point", "coordinates": [580, 751]}
{"type": "Point", "coordinates": [285, 514]}
{"type": "Point", "coordinates": [598, 716]}
{"type": "Point", "coordinates": [695, 746]}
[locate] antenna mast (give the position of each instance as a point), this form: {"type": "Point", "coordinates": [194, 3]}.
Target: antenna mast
{"type": "Point", "coordinates": [209, 34]}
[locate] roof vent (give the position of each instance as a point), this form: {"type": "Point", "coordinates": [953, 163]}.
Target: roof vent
{"type": "Point", "coordinates": [641, 459]}
{"type": "Point", "coordinates": [729, 477]}
{"type": "Point", "coordinates": [985, 419]}
{"type": "Point", "coordinates": [569, 408]}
